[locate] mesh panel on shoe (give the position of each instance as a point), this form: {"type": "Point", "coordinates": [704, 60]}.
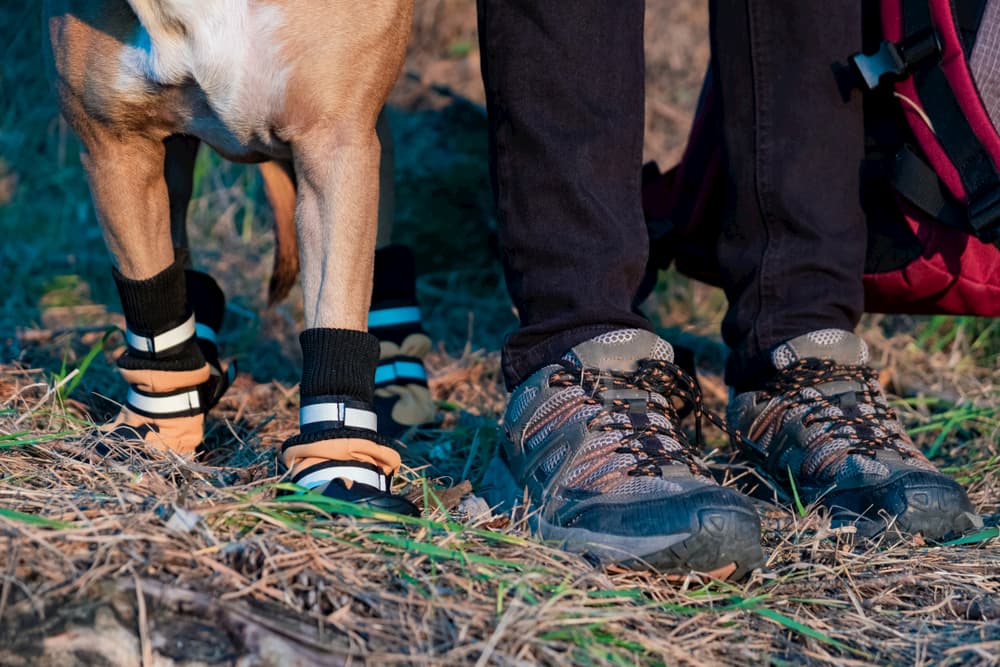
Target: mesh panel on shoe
{"type": "Point", "coordinates": [562, 408]}
{"type": "Point", "coordinates": [521, 402]}
{"type": "Point", "coordinates": [618, 337]}
{"type": "Point", "coordinates": [841, 346]}
{"type": "Point", "coordinates": [782, 357]}
{"type": "Point", "coordinates": [554, 460]}
{"type": "Point", "coordinates": [662, 350]}
{"type": "Point", "coordinates": [826, 336]}
{"type": "Point", "coordinates": [595, 457]}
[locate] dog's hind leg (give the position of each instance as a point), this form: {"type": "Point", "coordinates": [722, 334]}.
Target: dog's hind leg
{"type": "Point", "coordinates": [169, 379]}
{"type": "Point", "coordinates": [402, 398]}
{"type": "Point", "coordinates": [204, 295]}
{"type": "Point", "coordinates": [178, 171]}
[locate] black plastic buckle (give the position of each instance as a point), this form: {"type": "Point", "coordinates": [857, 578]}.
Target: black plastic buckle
{"type": "Point", "coordinates": [984, 217]}
{"type": "Point", "coordinates": [895, 61]}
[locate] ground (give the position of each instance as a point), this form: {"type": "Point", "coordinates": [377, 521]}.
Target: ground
{"type": "Point", "coordinates": [198, 563]}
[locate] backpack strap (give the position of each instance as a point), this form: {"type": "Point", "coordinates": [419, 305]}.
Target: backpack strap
{"type": "Point", "coordinates": [916, 59]}
{"type": "Point", "coordinates": [917, 182]}
{"type": "Point", "coordinates": [976, 169]}
{"type": "Point", "coordinates": [968, 17]}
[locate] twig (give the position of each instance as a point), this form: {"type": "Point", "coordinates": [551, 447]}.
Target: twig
{"type": "Point", "coordinates": [59, 385]}
{"type": "Point", "coordinates": [147, 648]}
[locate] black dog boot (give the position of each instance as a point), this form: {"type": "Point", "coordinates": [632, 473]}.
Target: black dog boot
{"type": "Point", "coordinates": [209, 305]}
{"type": "Point", "coordinates": [171, 385]}
{"type": "Point", "coordinates": [339, 452]}
{"type": "Point", "coordinates": [402, 399]}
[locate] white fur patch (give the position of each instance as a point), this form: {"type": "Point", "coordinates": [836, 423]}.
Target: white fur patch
{"type": "Point", "coordinates": [227, 48]}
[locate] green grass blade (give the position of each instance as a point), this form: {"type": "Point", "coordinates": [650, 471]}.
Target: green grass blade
{"type": "Point", "coordinates": [33, 520]}
{"type": "Point", "coordinates": [795, 493]}
{"type": "Point", "coordinates": [95, 350]}
{"type": "Point", "coordinates": [805, 630]}
{"type": "Point", "coordinates": [437, 551]}
{"type": "Point", "coordinates": [19, 439]}
{"type": "Point", "coordinates": [974, 538]}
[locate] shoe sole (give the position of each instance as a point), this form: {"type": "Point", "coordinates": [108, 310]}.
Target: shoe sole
{"type": "Point", "coordinates": [936, 509]}
{"type": "Point", "coordinates": [725, 544]}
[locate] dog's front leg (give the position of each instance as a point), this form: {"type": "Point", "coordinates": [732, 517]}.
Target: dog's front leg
{"type": "Point", "coordinates": [339, 452]}
{"type": "Point", "coordinates": [166, 371]}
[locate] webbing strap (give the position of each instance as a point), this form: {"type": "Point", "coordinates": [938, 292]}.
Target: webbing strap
{"type": "Point", "coordinates": [182, 403]}
{"type": "Point", "coordinates": [323, 473]}
{"type": "Point", "coordinates": [968, 17]}
{"type": "Point", "coordinates": [206, 332]}
{"type": "Point", "coordinates": [975, 167]}
{"type": "Point", "coordinates": [400, 370]}
{"type": "Point", "coordinates": [326, 415]}
{"type": "Point", "coordinates": [164, 341]}
{"type": "Point", "coordinates": [918, 183]}
{"type": "Point", "coordinates": [388, 317]}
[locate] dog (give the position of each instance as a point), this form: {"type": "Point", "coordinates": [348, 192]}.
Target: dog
{"type": "Point", "coordinates": [297, 85]}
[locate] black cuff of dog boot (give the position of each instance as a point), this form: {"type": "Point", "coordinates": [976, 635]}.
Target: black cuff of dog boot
{"type": "Point", "coordinates": [209, 305]}
{"type": "Point", "coordinates": [394, 313]}
{"type": "Point", "coordinates": [338, 362]}
{"type": "Point", "coordinates": [182, 256]}
{"type": "Point", "coordinates": [395, 276]}
{"type": "Point", "coordinates": [154, 305]}
{"type": "Point", "coordinates": [206, 299]}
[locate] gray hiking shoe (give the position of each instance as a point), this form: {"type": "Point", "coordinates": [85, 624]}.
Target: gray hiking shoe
{"type": "Point", "coordinates": [823, 416]}
{"type": "Point", "coordinates": [595, 441]}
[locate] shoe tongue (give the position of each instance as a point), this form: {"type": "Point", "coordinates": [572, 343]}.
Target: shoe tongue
{"type": "Point", "coordinates": [840, 346]}
{"type": "Point", "coordinates": [620, 350]}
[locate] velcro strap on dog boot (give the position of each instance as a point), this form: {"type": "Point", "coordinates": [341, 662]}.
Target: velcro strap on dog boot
{"type": "Point", "coordinates": [165, 409]}
{"type": "Point", "coordinates": [402, 397]}
{"type": "Point", "coordinates": [170, 382]}
{"type": "Point", "coordinates": [339, 454]}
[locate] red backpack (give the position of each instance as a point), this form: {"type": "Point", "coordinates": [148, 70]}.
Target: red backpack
{"type": "Point", "coordinates": [931, 179]}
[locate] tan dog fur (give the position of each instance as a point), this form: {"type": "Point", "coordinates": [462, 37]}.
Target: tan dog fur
{"type": "Point", "coordinates": [310, 94]}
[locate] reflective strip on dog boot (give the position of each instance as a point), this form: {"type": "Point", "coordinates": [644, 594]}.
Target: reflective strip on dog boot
{"type": "Point", "coordinates": [164, 408]}
{"type": "Point", "coordinates": [383, 318]}
{"type": "Point", "coordinates": [161, 342]}
{"type": "Point", "coordinates": [400, 370]}
{"type": "Point", "coordinates": [183, 403]}
{"type": "Point", "coordinates": [324, 413]}
{"type": "Point", "coordinates": [352, 471]}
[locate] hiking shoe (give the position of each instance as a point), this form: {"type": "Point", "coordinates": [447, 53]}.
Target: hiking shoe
{"type": "Point", "coordinates": [824, 420]}
{"type": "Point", "coordinates": [595, 440]}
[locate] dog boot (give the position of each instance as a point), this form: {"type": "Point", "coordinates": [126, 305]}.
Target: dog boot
{"type": "Point", "coordinates": [170, 382]}
{"type": "Point", "coordinates": [402, 399]}
{"type": "Point", "coordinates": [209, 305]}
{"type": "Point", "coordinates": [339, 452]}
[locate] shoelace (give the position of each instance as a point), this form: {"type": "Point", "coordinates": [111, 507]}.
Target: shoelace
{"type": "Point", "coordinates": [808, 373]}
{"type": "Point", "coordinates": [683, 396]}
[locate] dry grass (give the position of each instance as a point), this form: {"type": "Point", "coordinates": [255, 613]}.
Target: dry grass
{"type": "Point", "coordinates": [172, 562]}
{"type": "Point", "coordinates": [211, 545]}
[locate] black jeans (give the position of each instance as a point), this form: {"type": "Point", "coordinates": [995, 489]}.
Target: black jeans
{"type": "Point", "coordinates": [564, 87]}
